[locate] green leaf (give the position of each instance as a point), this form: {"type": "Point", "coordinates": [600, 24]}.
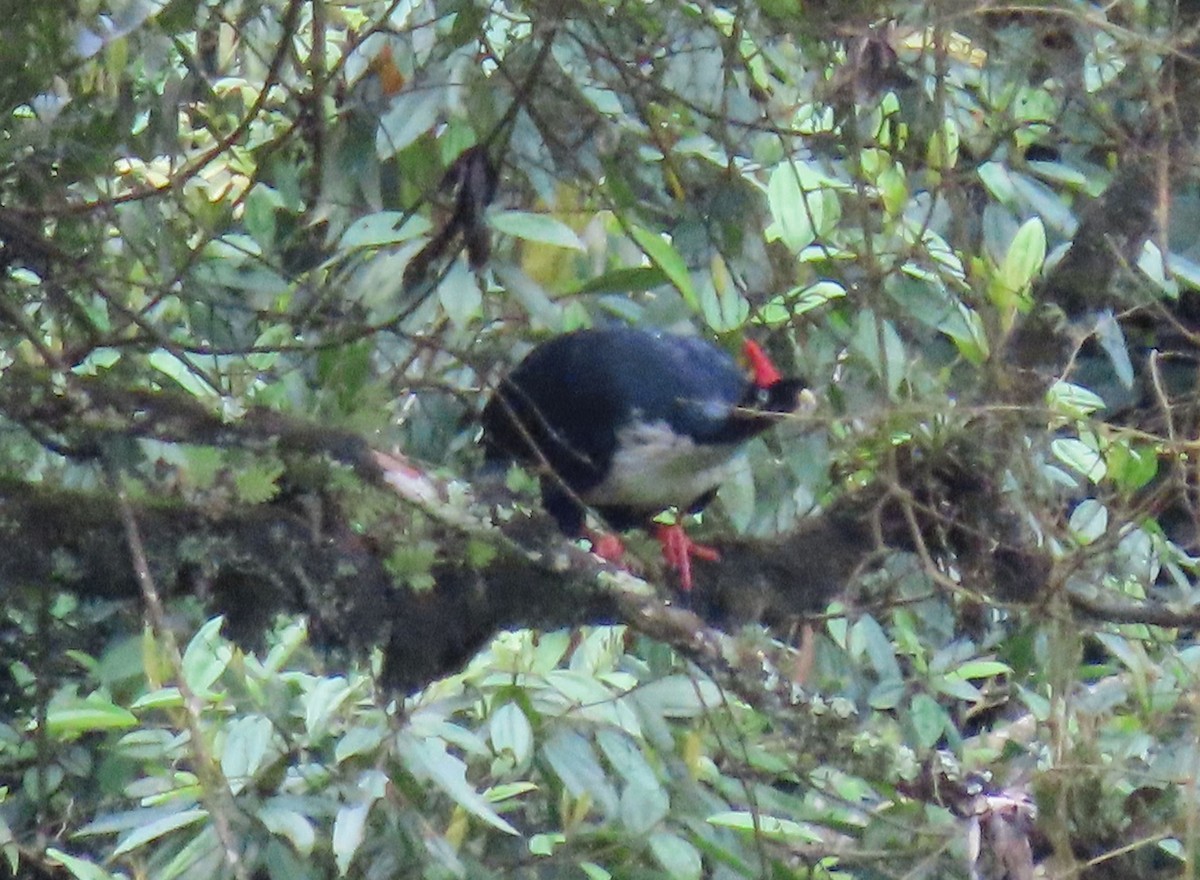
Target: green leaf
{"type": "Point", "coordinates": [805, 299]}
{"type": "Point", "coordinates": [154, 830]}
{"type": "Point", "coordinates": [349, 828]}
{"type": "Point", "coordinates": [643, 805]}
{"type": "Point", "coordinates": [81, 869]}
{"type": "Point", "coordinates": [360, 740]}
{"type": "Point", "coordinates": [537, 304]}
{"type": "Point", "coordinates": [505, 791]}
{"type": "Point", "coordinates": [206, 657]}
{"type": "Point", "coordinates": [769, 826]}
{"type": "Point", "coordinates": [980, 669]}
{"type": "Point", "coordinates": [887, 694]}
{"type": "Point", "coordinates": [664, 256]}
{"type": "Point", "coordinates": [867, 636]}
{"type": "Point", "coordinates": [722, 305]}
{"type": "Point", "coordinates": [958, 688]}
{"type": "Point", "coordinates": [679, 696]}
{"type": "Point", "coordinates": [167, 363]}
{"type": "Point", "coordinates": [258, 483]}
{"type": "Point", "coordinates": [1035, 197]}
{"type": "Point", "coordinates": [411, 113]}
{"type": "Point", "coordinates": [1073, 400]}
{"type": "Point", "coordinates": [891, 363]}
{"type": "Point", "coordinates": [162, 698]}
{"type": "Point", "coordinates": [965, 327]}
{"type": "Point", "coordinates": [998, 181]}
{"type": "Point", "coordinates": [676, 856]}
{"type": "Point", "coordinates": [511, 732]}
{"type": "Point", "coordinates": [803, 204]}
{"type": "Point", "coordinates": [1112, 340]}
{"type": "Point", "coordinates": [383, 227]}
{"type": "Point", "coordinates": [541, 228]}
{"type": "Point", "coordinates": [1025, 257]}
{"type": "Point", "coordinates": [1186, 271]}
{"type": "Point", "coordinates": [1081, 457]}
{"type": "Point", "coordinates": [199, 852]}
{"type": "Point", "coordinates": [294, 826]}
{"type": "Point", "coordinates": [942, 153]}
{"type": "Point", "coordinates": [1089, 521]}
{"type": "Point", "coordinates": [94, 713]}
{"type": "Point", "coordinates": [574, 761]}
{"type": "Point", "coordinates": [321, 701]}
{"type": "Point", "coordinates": [928, 719]}
{"type": "Point", "coordinates": [429, 760]}
{"type": "Point", "coordinates": [245, 749]}
{"type": "Point", "coordinates": [545, 844]}
{"type": "Point", "coordinates": [460, 295]}
{"type": "Point", "coordinates": [631, 279]}
{"type": "Point", "coordinates": [1131, 466]}
{"type": "Point", "coordinates": [623, 755]}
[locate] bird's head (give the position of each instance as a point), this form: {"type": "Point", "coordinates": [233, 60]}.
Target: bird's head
{"type": "Point", "coordinates": [769, 391]}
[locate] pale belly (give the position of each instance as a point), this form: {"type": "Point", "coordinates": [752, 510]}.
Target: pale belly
{"type": "Point", "coordinates": [655, 468]}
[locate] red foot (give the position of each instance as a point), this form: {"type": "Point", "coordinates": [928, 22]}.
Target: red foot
{"type": "Point", "coordinates": [678, 550]}
{"type": "Point", "coordinates": [607, 546]}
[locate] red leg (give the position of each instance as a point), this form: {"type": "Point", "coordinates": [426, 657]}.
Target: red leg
{"type": "Point", "coordinates": [607, 546]}
{"type": "Point", "coordinates": [678, 550]}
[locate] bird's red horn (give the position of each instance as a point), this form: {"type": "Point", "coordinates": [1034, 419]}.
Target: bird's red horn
{"type": "Point", "coordinates": [765, 373]}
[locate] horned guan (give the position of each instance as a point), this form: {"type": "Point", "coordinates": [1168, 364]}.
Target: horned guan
{"type": "Point", "coordinates": [630, 422]}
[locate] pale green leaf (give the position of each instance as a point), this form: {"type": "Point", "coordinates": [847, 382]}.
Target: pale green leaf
{"type": "Point", "coordinates": [156, 829]}
{"type": "Point", "coordinates": [1080, 457]}
{"type": "Point", "coordinates": [428, 759]}
{"type": "Point", "coordinates": [928, 719]}
{"type": "Point", "coordinates": [1089, 521]}
{"type": "Point", "coordinates": [245, 749]}
{"type": "Point", "coordinates": [460, 295]}
{"type": "Point", "coordinates": [1025, 256]}
{"type": "Point", "coordinates": [507, 790]}
{"type": "Point", "coordinates": [296, 827]}
{"type": "Point", "coordinates": [349, 828]}
{"type": "Point", "coordinates": [206, 657]}
{"type": "Point", "coordinates": [321, 701]}
{"type": "Point", "coordinates": [358, 741]}
{"type": "Point", "coordinates": [769, 826]}
{"type": "Point", "coordinates": [511, 732]}
{"type": "Point", "coordinates": [643, 805]}
{"type": "Point", "coordinates": [679, 696]}
{"type": "Point", "coordinates": [1073, 400]}
{"type": "Point", "coordinates": [979, 669]}
{"type": "Point", "coordinates": [541, 228]}
{"type": "Point", "coordinates": [664, 256]}
{"type": "Point", "coordinates": [81, 869]}
{"type": "Point", "coordinates": [1112, 340]}
{"type": "Point", "coordinates": [676, 856]}
{"type": "Point", "coordinates": [94, 713]}
{"type": "Point", "coordinates": [383, 227]}
{"type": "Point", "coordinates": [574, 761]}
{"type": "Point", "coordinates": [187, 377]}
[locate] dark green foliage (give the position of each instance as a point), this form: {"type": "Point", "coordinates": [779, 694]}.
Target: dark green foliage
{"type": "Point", "coordinates": [973, 229]}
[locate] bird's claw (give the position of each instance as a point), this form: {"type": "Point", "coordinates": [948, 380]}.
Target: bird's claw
{"type": "Point", "coordinates": [678, 550]}
{"type": "Point", "coordinates": [607, 546]}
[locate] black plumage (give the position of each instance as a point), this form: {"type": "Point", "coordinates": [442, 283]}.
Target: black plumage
{"type": "Point", "coordinates": [630, 422]}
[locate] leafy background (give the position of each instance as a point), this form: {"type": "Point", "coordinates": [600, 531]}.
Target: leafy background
{"type": "Point", "coordinates": [972, 228]}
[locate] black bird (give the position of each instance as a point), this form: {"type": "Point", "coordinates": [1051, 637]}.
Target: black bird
{"type": "Point", "coordinates": [630, 422]}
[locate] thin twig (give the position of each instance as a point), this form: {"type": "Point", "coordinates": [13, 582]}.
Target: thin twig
{"type": "Point", "coordinates": [216, 793]}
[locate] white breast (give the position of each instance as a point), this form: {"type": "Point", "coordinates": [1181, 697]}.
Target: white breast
{"type": "Point", "coordinates": [655, 468]}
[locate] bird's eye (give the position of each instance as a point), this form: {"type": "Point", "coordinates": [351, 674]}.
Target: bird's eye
{"type": "Point", "coordinates": [762, 396]}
